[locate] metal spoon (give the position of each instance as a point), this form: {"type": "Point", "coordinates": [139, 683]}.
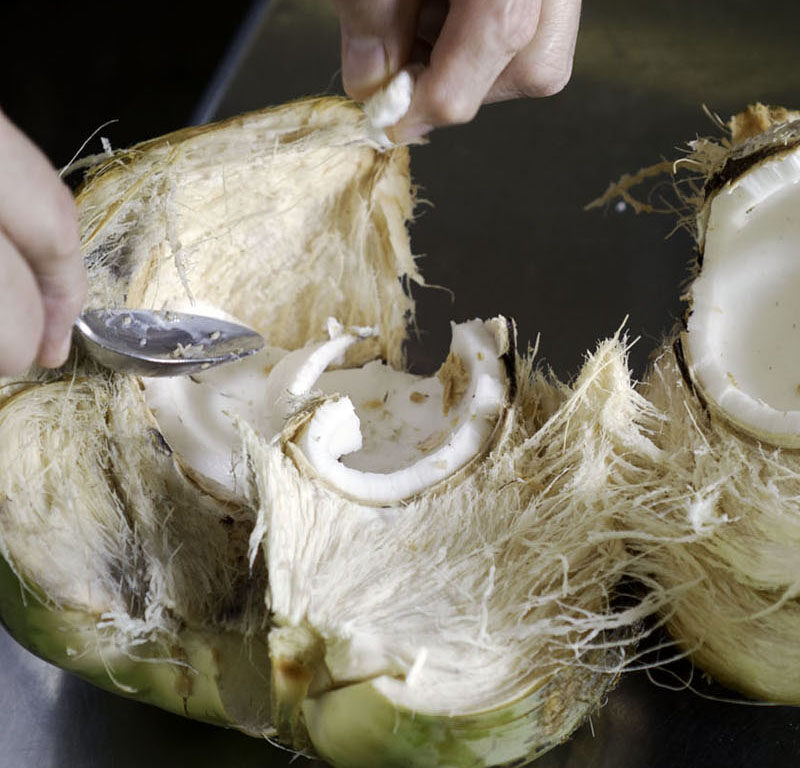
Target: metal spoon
{"type": "Point", "coordinates": [160, 342]}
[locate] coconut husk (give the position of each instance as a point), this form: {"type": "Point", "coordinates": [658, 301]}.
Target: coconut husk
{"type": "Point", "coordinates": [722, 538]}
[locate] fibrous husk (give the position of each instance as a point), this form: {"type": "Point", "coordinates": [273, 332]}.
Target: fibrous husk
{"type": "Point", "coordinates": [284, 217]}
{"type": "Point", "coordinates": [480, 615]}
{"type": "Point", "coordinates": [115, 565]}
{"type": "Point", "coordinates": [722, 538]}
{"type": "Point", "coordinates": [475, 621]}
{"type": "Point", "coordinates": [707, 163]}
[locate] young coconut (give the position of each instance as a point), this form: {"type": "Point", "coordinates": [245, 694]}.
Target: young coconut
{"type": "Point", "coordinates": [441, 551]}
{"type": "Point", "coordinates": [726, 511]}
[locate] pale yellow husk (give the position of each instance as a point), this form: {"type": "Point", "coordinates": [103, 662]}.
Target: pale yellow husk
{"type": "Point", "coordinates": [285, 218]}
{"type": "Point", "coordinates": [724, 537]}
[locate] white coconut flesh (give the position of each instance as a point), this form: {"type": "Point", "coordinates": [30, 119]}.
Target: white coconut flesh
{"type": "Point", "coordinates": [743, 336]}
{"type": "Point", "coordinates": [376, 434]}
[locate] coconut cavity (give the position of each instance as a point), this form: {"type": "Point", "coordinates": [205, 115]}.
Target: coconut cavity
{"type": "Point", "coordinates": [744, 323]}
{"type": "Point", "coordinates": [381, 435]}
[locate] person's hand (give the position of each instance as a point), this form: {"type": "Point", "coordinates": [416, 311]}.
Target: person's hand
{"type": "Point", "coordinates": [473, 52]}
{"type": "Point", "coordinates": [42, 277]}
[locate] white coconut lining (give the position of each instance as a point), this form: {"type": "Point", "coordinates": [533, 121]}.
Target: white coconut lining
{"type": "Point", "coordinates": [741, 332]}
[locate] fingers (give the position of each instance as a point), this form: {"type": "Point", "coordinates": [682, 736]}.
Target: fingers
{"type": "Point", "coordinates": [21, 311]}
{"type": "Point", "coordinates": [39, 221]}
{"type": "Point", "coordinates": [62, 301]}
{"type": "Point", "coordinates": [544, 66]}
{"type": "Point", "coordinates": [477, 42]}
{"type": "Point", "coordinates": [377, 38]}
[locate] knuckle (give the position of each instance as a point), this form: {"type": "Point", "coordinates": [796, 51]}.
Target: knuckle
{"type": "Point", "coordinates": [545, 80]}
{"type": "Point", "coordinates": [448, 107]}
{"type": "Point", "coordinates": [61, 227]}
{"type": "Point", "coordinates": [516, 22]}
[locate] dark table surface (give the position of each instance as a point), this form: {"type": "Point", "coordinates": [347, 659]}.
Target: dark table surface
{"type": "Point", "coordinates": [507, 233]}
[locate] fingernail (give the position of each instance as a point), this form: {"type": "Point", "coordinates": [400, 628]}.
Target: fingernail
{"type": "Point", "coordinates": [404, 133]}
{"type": "Point", "coordinates": [59, 354]}
{"type": "Point", "coordinates": [364, 66]}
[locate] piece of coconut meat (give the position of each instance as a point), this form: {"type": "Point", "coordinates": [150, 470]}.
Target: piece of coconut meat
{"type": "Point", "coordinates": [375, 434]}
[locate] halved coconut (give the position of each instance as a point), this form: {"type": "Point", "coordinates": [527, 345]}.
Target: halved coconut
{"type": "Point", "coordinates": [719, 533]}
{"type": "Point", "coordinates": [122, 561]}
{"type": "Point", "coordinates": [441, 551]}
{"type": "Point", "coordinates": [468, 623]}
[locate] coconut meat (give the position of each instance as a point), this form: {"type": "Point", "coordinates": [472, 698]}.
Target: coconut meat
{"type": "Point", "coordinates": [375, 434]}
{"type": "Point", "coordinates": [743, 335]}
{"type": "Point", "coordinates": [425, 444]}
{"type": "Point", "coordinates": [387, 106]}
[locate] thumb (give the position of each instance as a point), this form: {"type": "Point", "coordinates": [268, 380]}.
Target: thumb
{"type": "Point", "coordinates": [38, 216]}
{"type": "Point", "coordinates": [377, 37]}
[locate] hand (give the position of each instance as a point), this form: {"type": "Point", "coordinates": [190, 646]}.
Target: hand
{"type": "Point", "coordinates": [42, 277]}
{"type": "Point", "coordinates": [472, 52]}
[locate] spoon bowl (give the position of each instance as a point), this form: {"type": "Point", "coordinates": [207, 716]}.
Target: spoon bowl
{"type": "Point", "coordinates": [162, 342]}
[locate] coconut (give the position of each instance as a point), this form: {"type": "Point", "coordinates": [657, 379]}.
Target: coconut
{"type": "Point", "coordinates": [722, 531]}
{"type": "Point", "coordinates": [313, 544]}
